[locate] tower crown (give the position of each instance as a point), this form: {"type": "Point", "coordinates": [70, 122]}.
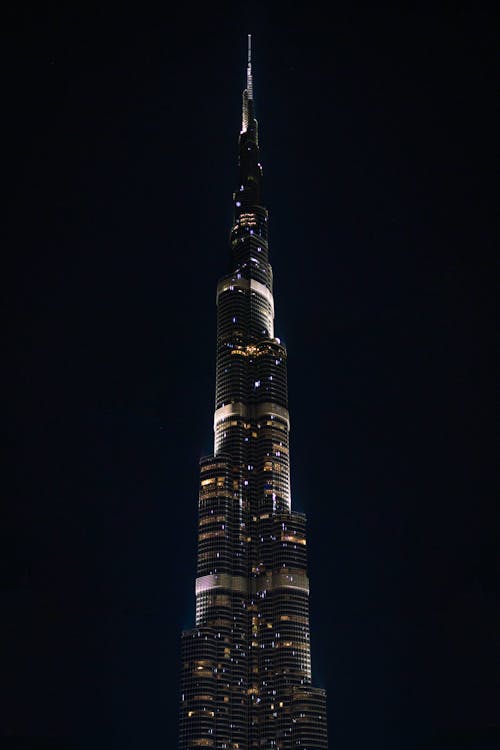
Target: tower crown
{"type": "Point", "coordinates": [250, 168]}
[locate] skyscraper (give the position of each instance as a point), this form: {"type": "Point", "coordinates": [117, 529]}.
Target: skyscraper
{"type": "Point", "coordinates": [246, 665]}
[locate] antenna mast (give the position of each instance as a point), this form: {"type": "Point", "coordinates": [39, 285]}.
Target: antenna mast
{"type": "Point", "coordinates": [249, 68]}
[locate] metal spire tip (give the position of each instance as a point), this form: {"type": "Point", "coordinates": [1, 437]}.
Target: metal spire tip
{"type": "Point", "coordinates": [249, 69]}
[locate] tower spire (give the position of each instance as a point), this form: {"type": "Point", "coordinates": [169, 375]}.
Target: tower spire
{"type": "Point", "coordinates": [249, 68]}
{"type": "Point", "coordinates": [247, 119]}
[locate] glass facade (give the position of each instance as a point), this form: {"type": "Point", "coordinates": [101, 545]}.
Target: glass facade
{"type": "Point", "coordinates": [246, 665]}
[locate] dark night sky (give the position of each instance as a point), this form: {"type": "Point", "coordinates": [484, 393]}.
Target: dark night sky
{"type": "Point", "coordinates": [376, 131]}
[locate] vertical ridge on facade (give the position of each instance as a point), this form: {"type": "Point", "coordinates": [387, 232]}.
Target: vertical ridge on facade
{"type": "Point", "coordinates": [246, 665]}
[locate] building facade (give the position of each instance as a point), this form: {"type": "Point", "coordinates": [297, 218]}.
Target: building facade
{"type": "Point", "coordinates": [246, 665]}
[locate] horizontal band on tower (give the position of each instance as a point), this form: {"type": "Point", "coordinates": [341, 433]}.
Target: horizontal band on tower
{"type": "Point", "coordinates": [281, 579]}
{"type": "Point", "coordinates": [252, 284]}
{"type": "Point", "coordinates": [221, 581]}
{"type": "Point", "coordinates": [238, 409]}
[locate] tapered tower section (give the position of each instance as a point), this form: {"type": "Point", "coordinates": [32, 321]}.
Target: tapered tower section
{"type": "Point", "coordinates": [246, 665]}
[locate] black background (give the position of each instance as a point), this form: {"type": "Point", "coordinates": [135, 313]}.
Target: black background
{"type": "Point", "coordinates": [376, 130]}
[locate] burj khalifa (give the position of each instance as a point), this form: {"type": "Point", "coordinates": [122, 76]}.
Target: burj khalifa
{"type": "Point", "coordinates": [246, 677]}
